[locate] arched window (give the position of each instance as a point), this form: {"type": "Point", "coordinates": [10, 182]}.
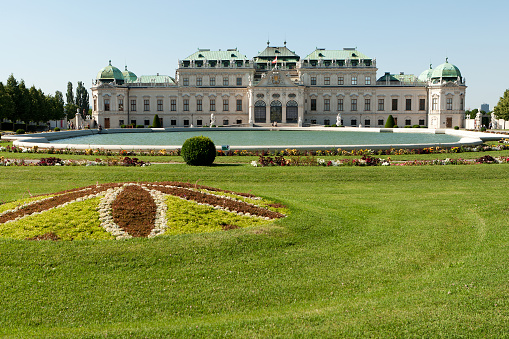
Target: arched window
{"type": "Point", "coordinates": [292, 109]}
{"type": "Point", "coordinates": [276, 111]}
{"type": "Point", "coordinates": [260, 112]}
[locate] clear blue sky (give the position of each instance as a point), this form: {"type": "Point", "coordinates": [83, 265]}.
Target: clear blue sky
{"type": "Point", "coordinates": [48, 43]}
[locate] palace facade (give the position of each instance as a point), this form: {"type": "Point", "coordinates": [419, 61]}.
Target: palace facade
{"type": "Point", "coordinates": [226, 88]}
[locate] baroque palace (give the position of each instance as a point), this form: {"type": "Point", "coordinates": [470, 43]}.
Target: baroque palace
{"type": "Point", "coordinates": [226, 88]}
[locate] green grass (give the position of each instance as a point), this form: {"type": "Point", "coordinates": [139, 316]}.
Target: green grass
{"type": "Point", "coordinates": [365, 252]}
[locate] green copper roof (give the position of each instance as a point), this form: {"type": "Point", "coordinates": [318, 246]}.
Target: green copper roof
{"type": "Point", "coordinates": [155, 79]}
{"type": "Point", "coordinates": [404, 78]}
{"type": "Point", "coordinates": [424, 76]}
{"type": "Point", "coordinates": [446, 70]}
{"type": "Point", "coordinates": [129, 76]}
{"type": "Point", "coordinates": [206, 54]}
{"type": "Point", "coordinates": [282, 53]}
{"type": "Point", "coordinates": [347, 53]}
{"type": "Point", "coordinates": [110, 73]}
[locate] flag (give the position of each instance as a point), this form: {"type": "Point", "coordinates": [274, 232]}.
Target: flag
{"type": "Point", "coordinates": [275, 60]}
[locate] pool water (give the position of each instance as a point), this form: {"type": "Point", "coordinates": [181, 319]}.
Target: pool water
{"type": "Point", "coordinates": [263, 138]}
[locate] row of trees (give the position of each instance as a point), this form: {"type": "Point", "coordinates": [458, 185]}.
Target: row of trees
{"type": "Point", "coordinates": [501, 110]}
{"type": "Point", "coordinates": [19, 103]}
{"type": "Point", "coordinates": [31, 105]}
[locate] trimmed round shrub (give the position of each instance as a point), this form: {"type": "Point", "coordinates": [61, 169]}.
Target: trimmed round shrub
{"type": "Point", "coordinates": [57, 129]}
{"type": "Point", "coordinates": [157, 122]}
{"type": "Point", "coordinates": [456, 127]}
{"type": "Point", "coordinates": [20, 131]}
{"type": "Point", "coordinates": [198, 151]}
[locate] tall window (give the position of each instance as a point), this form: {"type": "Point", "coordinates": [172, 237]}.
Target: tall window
{"type": "Point", "coordinates": [198, 81]}
{"type": "Point", "coordinates": [408, 122]}
{"type": "Point", "coordinates": [341, 81]}
{"type": "Point", "coordinates": [226, 106]}
{"type": "Point", "coordinates": [199, 105]}
{"type": "Point", "coordinates": [408, 104]}
{"type": "Point", "coordinates": [340, 104]}
{"type": "Point", "coordinates": [225, 81]}
{"type": "Point", "coordinates": [368, 81]}
{"type": "Point", "coordinates": [313, 81]}
{"type": "Point", "coordinates": [212, 104]}
{"type": "Point", "coordinates": [434, 104]}
{"type": "Point", "coordinates": [422, 104]}
{"type": "Point", "coordinates": [159, 105]}
{"type": "Point", "coordinates": [313, 104]}
{"type": "Point", "coordinates": [133, 105]}
{"type": "Point", "coordinates": [449, 104]}
{"type": "Point", "coordinates": [354, 80]}
{"type": "Point", "coordinates": [239, 105]}
{"type": "Point", "coordinates": [212, 81]}
{"type": "Point", "coordinates": [120, 104]}
{"type": "Point", "coordinates": [146, 105]}
{"type": "Point", "coordinates": [173, 105]}
{"type": "Point", "coordinates": [381, 104]}
{"type": "Point", "coordinates": [326, 105]}
{"type": "Point", "coordinates": [462, 104]}
{"type": "Point", "coordinates": [354, 104]}
{"type": "Point", "coordinates": [394, 104]}
{"type": "Point", "coordinates": [367, 104]}
{"type": "Point", "coordinates": [239, 81]}
{"type": "Point", "coordinates": [186, 82]}
{"type": "Point", "coordinates": [186, 105]}
{"type": "Point", "coordinates": [106, 104]}
{"type": "Point", "coordinates": [95, 104]}
{"type": "Point", "coordinates": [326, 81]}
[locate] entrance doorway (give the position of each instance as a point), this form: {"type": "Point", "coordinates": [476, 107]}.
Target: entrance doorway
{"type": "Point", "coordinates": [276, 111]}
{"type": "Point", "coordinates": [106, 122]}
{"type": "Point", "coordinates": [448, 122]}
{"type": "Point", "coordinates": [292, 111]}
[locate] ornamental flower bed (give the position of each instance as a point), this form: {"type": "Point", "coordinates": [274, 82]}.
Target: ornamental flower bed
{"type": "Point", "coordinates": [53, 161]}
{"type": "Point", "coordinates": [503, 145]}
{"type": "Point", "coordinates": [125, 210]}
{"type": "Point", "coordinates": [367, 160]}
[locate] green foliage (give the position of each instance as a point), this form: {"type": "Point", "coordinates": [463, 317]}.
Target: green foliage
{"type": "Point", "coordinates": [501, 110]}
{"type": "Point", "coordinates": [75, 221]}
{"type": "Point", "coordinates": [20, 131]}
{"type": "Point", "coordinates": [157, 122]}
{"type": "Point", "coordinates": [199, 151]}
{"type": "Point", "coordinates": [390, 122]}
{"type": "Point", "coordinates": [82, 101]}
{"type": "Point", "coordinates": [456, 127]}
{"type": "Point", "coordinates": [186, 217]}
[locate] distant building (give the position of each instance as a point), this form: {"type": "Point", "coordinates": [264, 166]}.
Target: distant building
{"type": "Point", "coordinates": [485, 107]}
{"type": "Point", "coordinates": [277, 85]}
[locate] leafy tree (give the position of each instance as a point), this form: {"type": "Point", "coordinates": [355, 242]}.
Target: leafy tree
{"type": "Point", "coordinates": [6, 103]}
{"type": "Point", "coordinates": [390, 122]}
{"type": "Point", "coordinates": [24, 103]}
{"type": "Point", "coordinates": [58, 106]}
{"type": "Point", "coordinates": [501, 110]}
{"type": "Point", "coordinates": [70, 107]}
{"type": "Point", "coordinates": [12, 89]}
{"type": "Point", "coordinates": [82, 98]}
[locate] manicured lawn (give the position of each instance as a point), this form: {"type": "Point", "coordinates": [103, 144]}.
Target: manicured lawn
{"type": "Point", "coordinates": [365, 252]}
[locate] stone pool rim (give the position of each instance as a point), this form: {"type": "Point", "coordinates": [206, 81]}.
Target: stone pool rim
{"type": "Point", "coordinates": [42, 140]}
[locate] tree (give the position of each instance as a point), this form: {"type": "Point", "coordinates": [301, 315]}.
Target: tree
{"type": "Point", "coordinates": [70, 107]}
{"type": "Point", "coordinates": [390, 122]}
{"type": "Point", "coordinates": [82, 98]}
{"type": "Point", "coordinates": [58, 106]}
{"type": "Point", "coordinates": [6, 103]}
{"type": "Point", "coordinates": [24, 104]}
{"type": "Point", "coordinates": [12, 89]}
{"type": "Point", "coordinates": [156, 123]}
{"type": "Point", "coordinates": [501, 110]}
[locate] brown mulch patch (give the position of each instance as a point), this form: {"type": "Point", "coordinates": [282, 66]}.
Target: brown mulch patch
{"type": "Point", "coordinates": [46, 236]}
{"type": "Point", "coordinates": [134, 211]}
{"type": "Point", "coordinates": [232, 205]}
{"type": "Point", "coordinates": [227, 227]}
{"type": "Point", "coordinates": [189, 185]}
{"type": "Point", "coordinates": [55, 201]}
{"type": "Point", "coordinates": [277, 205]}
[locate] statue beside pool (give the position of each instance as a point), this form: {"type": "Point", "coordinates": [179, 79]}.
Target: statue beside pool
{"type": "Point", "coordinates": [338, 119]}
{"type": "Point", "coordinates": [212, 119]}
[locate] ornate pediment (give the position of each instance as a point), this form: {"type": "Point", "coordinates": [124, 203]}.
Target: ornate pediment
{"type": "Point", "coordinates": [276, 78]}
